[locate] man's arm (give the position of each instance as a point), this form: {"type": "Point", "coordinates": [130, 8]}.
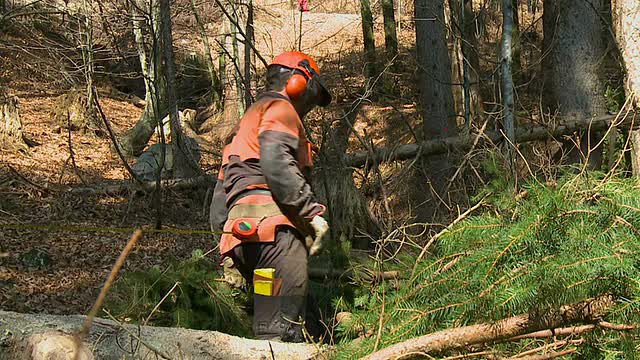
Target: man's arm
{"type": "Point", "coordinates": [218, 211]}
{"type": "Point", "coordinates": [279, 138]}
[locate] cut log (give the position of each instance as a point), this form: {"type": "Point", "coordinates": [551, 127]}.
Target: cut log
{"type": "Point", "coordinates": [23, 335]}
{"type": "Point", "coordinates": [523, 134]}
{"type": "Point", "coordinates": [586, 311]}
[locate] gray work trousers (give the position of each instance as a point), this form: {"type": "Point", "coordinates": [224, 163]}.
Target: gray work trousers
{"type": "Point", "coordinates": [279, 316]}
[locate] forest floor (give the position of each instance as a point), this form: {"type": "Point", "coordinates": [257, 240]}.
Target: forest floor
{"type": "Point", "coordinates": [60, 269]}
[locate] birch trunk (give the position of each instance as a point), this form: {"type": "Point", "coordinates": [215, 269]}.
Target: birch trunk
{"type": "Point", "coordinates": [507, 84]}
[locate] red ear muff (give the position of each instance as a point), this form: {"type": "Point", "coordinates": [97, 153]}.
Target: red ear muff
{"type": "Point", "coordinates": [296, 85]}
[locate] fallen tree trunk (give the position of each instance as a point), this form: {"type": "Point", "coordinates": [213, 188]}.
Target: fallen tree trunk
{"type": "Point", "coordinates": [27, 336]}
{"type": "Point", "coordinates": [586, 311]}
{"type": "Point", "coordinates": [523, 134]}
{"type": "Point", "coordinates": [147, 186]}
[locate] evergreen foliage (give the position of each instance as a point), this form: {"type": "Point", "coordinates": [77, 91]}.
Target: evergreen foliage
{"type": "Point", "coordinates": [548, 245]}
{"type": "Point", "coordinates": [198, 301]}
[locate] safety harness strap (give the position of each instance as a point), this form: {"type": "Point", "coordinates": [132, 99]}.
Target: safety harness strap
{"type": "Point", "coordinates": [254, 211]}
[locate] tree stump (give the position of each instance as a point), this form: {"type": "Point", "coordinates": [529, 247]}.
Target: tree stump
{"type": "Point", "coordinates": [73, 111]}
{"type": "Point", "coordinates": [11, 137]}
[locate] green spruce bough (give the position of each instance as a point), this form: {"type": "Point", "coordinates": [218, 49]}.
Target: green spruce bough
{"type": "Point", "coordinates": [549, 246]}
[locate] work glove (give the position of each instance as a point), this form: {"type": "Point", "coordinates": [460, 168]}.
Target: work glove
{"type": "Point", "coordinates": [320, 227]}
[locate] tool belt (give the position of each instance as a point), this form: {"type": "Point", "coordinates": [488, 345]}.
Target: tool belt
{"type": "Point", "coordinates": [252, 218]}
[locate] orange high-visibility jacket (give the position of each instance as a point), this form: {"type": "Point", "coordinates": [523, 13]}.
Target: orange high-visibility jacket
{"type": "Point", "coordinates": [267, 151]}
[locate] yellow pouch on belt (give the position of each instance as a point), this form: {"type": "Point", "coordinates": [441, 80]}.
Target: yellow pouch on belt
{"type": "Point", "coordinates": [263, 282]}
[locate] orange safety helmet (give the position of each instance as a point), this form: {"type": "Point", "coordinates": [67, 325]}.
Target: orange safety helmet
{"type": "Point", "coordinates": [307, 69]}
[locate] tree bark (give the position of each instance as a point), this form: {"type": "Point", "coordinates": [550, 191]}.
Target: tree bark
{"type": "Point", "coordinates": [368, 38]}
{"type": "Point", "coordinates": [390, 34]}
{"type": "Point", "coordinates": [184, 165]}
{"type": "Point", "coordinates": [216, 90]}
{"type": "Point", "coordinates": [574, 85]}
{"type": "Point", "coordinates": [516, 44]}
{"type": "Point", "coordinates": [626, 20]}
{"type": "Point", "coordinates": [110, 340]}
{"type": "Point", "coordinates": [436, 98]}
{"type": "Point", "coordinates": [236, 57]}
{"type": "Point", "coordinates": [249, 57]}
{"type": "Point", "coordinates": [135, 140]}
{"type": "Point", "coordinates": [589, 310]}
{"type": "Point", "coordinates": [464, 20]}
{"type": "Point", "coordinates": [507, 84]}
{"type": "Point", "coordinates": [348, 212]}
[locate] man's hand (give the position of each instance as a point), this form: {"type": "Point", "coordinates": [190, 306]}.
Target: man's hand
{"type": "Point", "coordinates": [320, 226]}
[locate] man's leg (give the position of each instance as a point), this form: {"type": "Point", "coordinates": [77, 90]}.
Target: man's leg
{"type": "Point", "coordinates": [282, 314]}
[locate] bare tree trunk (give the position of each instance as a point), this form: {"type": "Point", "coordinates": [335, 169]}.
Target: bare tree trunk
{"type": "Point", "coordinates": [87, 56]}
{"type": "Point", "coordinates": [348, 212]}
{"type": "Point", "coordinates": [228, 66]}
{"type": "Point", "coordinates": [135, 140]}
{"type": "Point", "coordinates": [390, 34]}
{"type": "Point", "coordinates": [507, 85]}
{"type": "Point", "coordinates": [516, 47]}
{"type": "Point", "coordinates": [368, 37]}
{"type": "Point", "coordinates": [437, 101]}
{"type": "Point", "coordinates": [216, 90]}
{"type": "Point", "coordinates": [472, 59]}
{"type": "Point", "coordinates": [237, 51]}
{"type": "Point", "coordinates": [249, 58]}
{"type": "Point", "coordinates": [453, 23]}
{"type": "Point", "coordinates": [574, 85]}
{"type": "Point", "coordinates": [626, 20]}
{"type": "Point", "coordinates": [468, 66]}
{"type": "Point", "coordinates": [184, 165]}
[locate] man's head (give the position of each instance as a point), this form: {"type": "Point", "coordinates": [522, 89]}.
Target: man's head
{"type": "Point", "coordinates": [298, 76]}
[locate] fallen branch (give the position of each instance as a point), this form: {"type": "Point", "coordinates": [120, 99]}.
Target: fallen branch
{"type": "Point", "coordinates": [86, 326]}
{"type": "Point", "coordinates": [573, 330]}
{"type": "Point", "coordinates": [316, 273]}
{"type": "Point", "coordinates": [618, 327]}
{"type": "Point", "coordinates": [588, 311]}
{"type": "Point", "coordinates": [442, 232]}
{"type": "Point", "coordinates": [523, 134]}
{"type": "Point", "coordinates": [552, 355]}
{"type": "Point", "coordinates": [555, 345]}
{"type": "Point", "coordinates": [148, 186]}
{"type": "Point", "coordinates": [112, 135]}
